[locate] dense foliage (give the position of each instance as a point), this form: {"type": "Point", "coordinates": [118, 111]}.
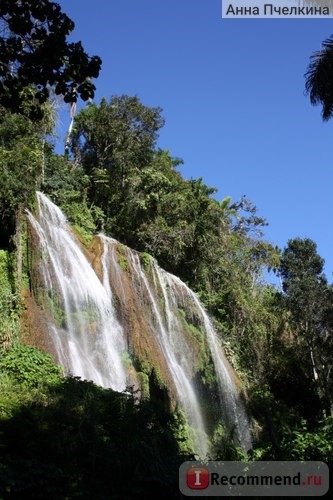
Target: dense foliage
{"type": "Point", "coordinates": [118, 181]}
{"type": "Point", "coordinates": [67, 438]}
{"type": "Point", "coordinates": [21, 157]}
{"type": "Point", "coordinates": [35, 53]}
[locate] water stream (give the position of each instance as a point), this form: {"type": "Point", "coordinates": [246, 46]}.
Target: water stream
{"type": "Point", "coordinates": [89, 338]}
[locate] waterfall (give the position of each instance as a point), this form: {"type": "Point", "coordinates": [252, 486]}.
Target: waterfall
{"type": "Point", "coordinates": [88, 338]}
{"type": "Point", "coordinates": [117, 308]}
{"type": "Point", "coordinates": [169, 336]}
{"type": "Point", "coordinates": [232, 407]}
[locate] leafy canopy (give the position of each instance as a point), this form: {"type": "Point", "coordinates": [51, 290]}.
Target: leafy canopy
{"type": "Point", "coordinates": [34, 52]}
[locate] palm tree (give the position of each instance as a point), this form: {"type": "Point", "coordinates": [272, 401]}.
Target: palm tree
{"type": "Point", "coordinates": [319, 78]}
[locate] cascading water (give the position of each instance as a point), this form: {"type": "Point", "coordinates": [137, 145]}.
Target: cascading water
{"type": "Point", "coordinates": [90, 340]}
{"type": "Point", "coordinates": [168, 336]}
{"type": "Point", "coordinates": [233, 410]}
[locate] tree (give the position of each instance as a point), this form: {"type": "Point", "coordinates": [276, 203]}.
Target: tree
{"type": "Point", "coordinates": [34, 52]}
{"type": "Point", "coordinates": [319, 78]}
{"type": "Point", "coordinates": [21, 159]}
{"type": "Point", "coordinates": [309, 299]}
{"type": "Point", "coordinates": [114, 142]}
{"type": "Point", "coordinates": [116, 135]}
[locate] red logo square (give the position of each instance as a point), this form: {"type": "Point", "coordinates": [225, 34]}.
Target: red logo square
{"type": "Point", "coordinates": [197, 478]}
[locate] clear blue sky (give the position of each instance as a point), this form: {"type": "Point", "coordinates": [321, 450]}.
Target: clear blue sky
{"type": "Point", "coordinates": [232, 94]}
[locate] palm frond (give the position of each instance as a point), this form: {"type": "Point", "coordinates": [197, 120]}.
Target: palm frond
{"type": "Point", "coordinates": [319, 78]}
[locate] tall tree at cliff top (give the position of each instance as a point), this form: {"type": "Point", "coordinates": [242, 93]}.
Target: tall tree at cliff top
{"type": "Point", "coordinates": [115, 142]}
{"type": "Point", "coordinates": [309, 299]}
{"type": "Point", "coordinates": [34, 52]}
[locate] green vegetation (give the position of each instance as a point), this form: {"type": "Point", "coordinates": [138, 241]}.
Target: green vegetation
{"type": "Point", "coordinates": [123, 262]}
{"type": "Point", "coordinates": [118, 181]}
{"type": "Point", "coordinates": [197, 339]}
{"type": "Point", "coordinates": [30, 32]}
{"type": "Point", "coordinates": [144, 384]}
{"type": "Point", "coordinates": [75, 433]}
{"type": "Point", "coordinates": [145, 259]}
{"type": "Point", "coordinates": [9, 302]}
{"type": "Point", "coordinates": [28, 366]}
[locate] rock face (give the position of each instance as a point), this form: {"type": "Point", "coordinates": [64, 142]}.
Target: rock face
{"type": "Point", "coordinates": [112, 315]}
